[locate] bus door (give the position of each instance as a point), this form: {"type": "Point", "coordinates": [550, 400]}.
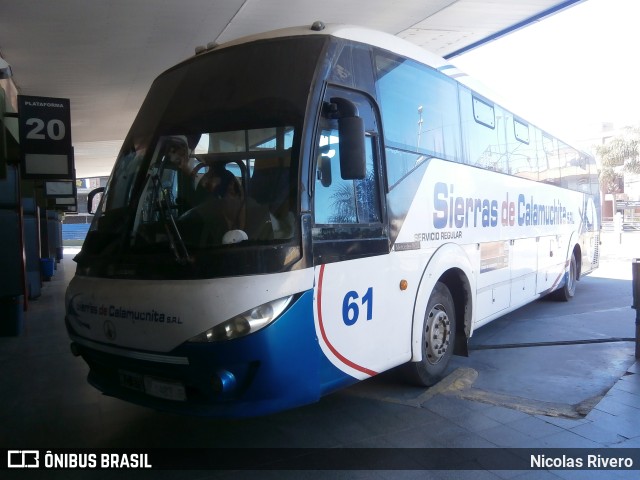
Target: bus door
{"type": "Point", "coordinates": [355, 309]}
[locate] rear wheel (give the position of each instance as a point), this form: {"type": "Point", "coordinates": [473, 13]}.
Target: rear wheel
{"type": "Point", "coordinates": [568, 290]}
{"type": "Point", "coordinates": [438, 339]}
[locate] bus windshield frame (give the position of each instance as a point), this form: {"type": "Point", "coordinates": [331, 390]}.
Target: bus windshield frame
{"type": "Point", "coordinates": [237, 112]}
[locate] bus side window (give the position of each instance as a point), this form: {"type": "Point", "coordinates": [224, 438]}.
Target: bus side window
{"type": "Point", "coordinates": [549, 161]}
{"type": "Point", "coordinates": [419, 108]}
{"type": "Point", "coordinates": [521, 146]}
{"type": "Point", "coordinates": [339, 201]}
{"type": "Point", "coordinates": [484, 132]}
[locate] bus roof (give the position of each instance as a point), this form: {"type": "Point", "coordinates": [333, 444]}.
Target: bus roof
{"type": "Point", "coordinates": [371, 37]}
{"type": "Point", "coordinates": [349, 32]}
{"type": "Point", "coordinates": [376, 38]}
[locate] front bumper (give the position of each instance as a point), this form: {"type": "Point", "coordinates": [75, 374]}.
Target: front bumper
{"type": "Point", "coordinates": [276, 368]}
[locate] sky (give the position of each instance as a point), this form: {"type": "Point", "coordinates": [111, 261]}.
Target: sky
{"type": "Point", "coordinates": [570, 72]}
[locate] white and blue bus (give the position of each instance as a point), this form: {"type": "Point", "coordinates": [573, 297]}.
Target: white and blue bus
{"type": "Point", "coordinates": [300, 210]}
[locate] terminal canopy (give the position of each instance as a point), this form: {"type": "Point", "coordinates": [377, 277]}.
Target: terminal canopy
{"type": "Point", "coordinates": [103, 55]}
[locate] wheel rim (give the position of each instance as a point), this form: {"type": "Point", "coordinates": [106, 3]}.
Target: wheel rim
{"type": "Point", "coordinates": [438, 334]}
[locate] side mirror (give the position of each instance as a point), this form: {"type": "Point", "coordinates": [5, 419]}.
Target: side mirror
{"type": "Point", "coordinates": [324, 170]}
{"type": "Point", "coordinates": [91, 196]}
{"type": "Point", "coordinates": [353, 163]}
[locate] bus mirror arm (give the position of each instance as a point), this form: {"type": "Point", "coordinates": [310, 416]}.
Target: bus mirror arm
{"type": "Point", "coordinates": [342, 108]}
{"type": "Point", "coordinates": [91, 196]}
{"type": "Point", "coordinates": [352, 139]}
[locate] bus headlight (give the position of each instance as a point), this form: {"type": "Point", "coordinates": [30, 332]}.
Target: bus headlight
{"type": "Point", "coordinates": [245, 323]}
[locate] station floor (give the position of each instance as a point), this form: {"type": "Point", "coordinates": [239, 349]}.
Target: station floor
{"type": "Point", "coordinates": [46, 403]}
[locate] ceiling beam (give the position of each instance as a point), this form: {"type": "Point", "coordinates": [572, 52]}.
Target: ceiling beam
{"type": "Point", "coordinates": [517, 26]}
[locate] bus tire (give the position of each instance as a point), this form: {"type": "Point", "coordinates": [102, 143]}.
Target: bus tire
{"type": "Point", "coordinates": [568, 290]}
{"type": "Point", "coordinates": [438, 339]}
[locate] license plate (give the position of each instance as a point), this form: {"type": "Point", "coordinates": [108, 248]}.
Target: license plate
{"type": "Point", "coordinates": [164, 388]}
{"type": "Point", "coordinates": [157, 387]}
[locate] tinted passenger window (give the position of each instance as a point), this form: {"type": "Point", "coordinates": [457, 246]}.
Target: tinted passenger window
{"type": "Point", "coordinates": [419, 114]}
{"type": "Point", "coordinates": [549, 167]}
{"type": "Point", "coordinates": [574, 168]}
{"type": "Point", "coordinates": [521, 147]}
{"type": "Point", "coordinates": [484, 136]}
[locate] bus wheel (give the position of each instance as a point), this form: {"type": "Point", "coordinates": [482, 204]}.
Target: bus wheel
{"type": "Point", "coordinates": [567, 292]}
{"type": "Point", "coordinates": [438, 337]}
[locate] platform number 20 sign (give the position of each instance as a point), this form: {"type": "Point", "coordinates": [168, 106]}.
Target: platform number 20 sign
{"type": "Point", "coordinates": [45, 137]}
{"type": "Point", "coordinates": [53, 129]}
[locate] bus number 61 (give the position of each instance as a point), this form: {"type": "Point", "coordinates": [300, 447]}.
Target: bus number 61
{"type": "Point", "coordinates": [350, 308]}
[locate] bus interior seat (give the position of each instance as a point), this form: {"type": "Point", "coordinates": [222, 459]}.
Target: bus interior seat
{"type": "Point", "coordinates": [270, 186]}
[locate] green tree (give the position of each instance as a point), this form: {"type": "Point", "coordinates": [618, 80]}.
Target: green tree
{"type": "Point", "coordinates": [356, 201]}
{"type": "Point", "coordinates": [611, 181]}
{"type": "Point", "coordinates": [618, 156]}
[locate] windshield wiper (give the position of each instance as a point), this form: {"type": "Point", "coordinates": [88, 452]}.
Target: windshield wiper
{"type": "Point", "coordinates": [178, 247]}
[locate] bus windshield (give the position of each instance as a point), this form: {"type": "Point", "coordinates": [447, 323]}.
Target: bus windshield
{"type": "Point", "coordinates": [231, 187]}
{"type": "Point", "coordinates": [210, 165]}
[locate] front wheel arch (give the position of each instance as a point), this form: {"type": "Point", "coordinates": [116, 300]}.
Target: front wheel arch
{"type": "Point", "coordinates": [450, 265]}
